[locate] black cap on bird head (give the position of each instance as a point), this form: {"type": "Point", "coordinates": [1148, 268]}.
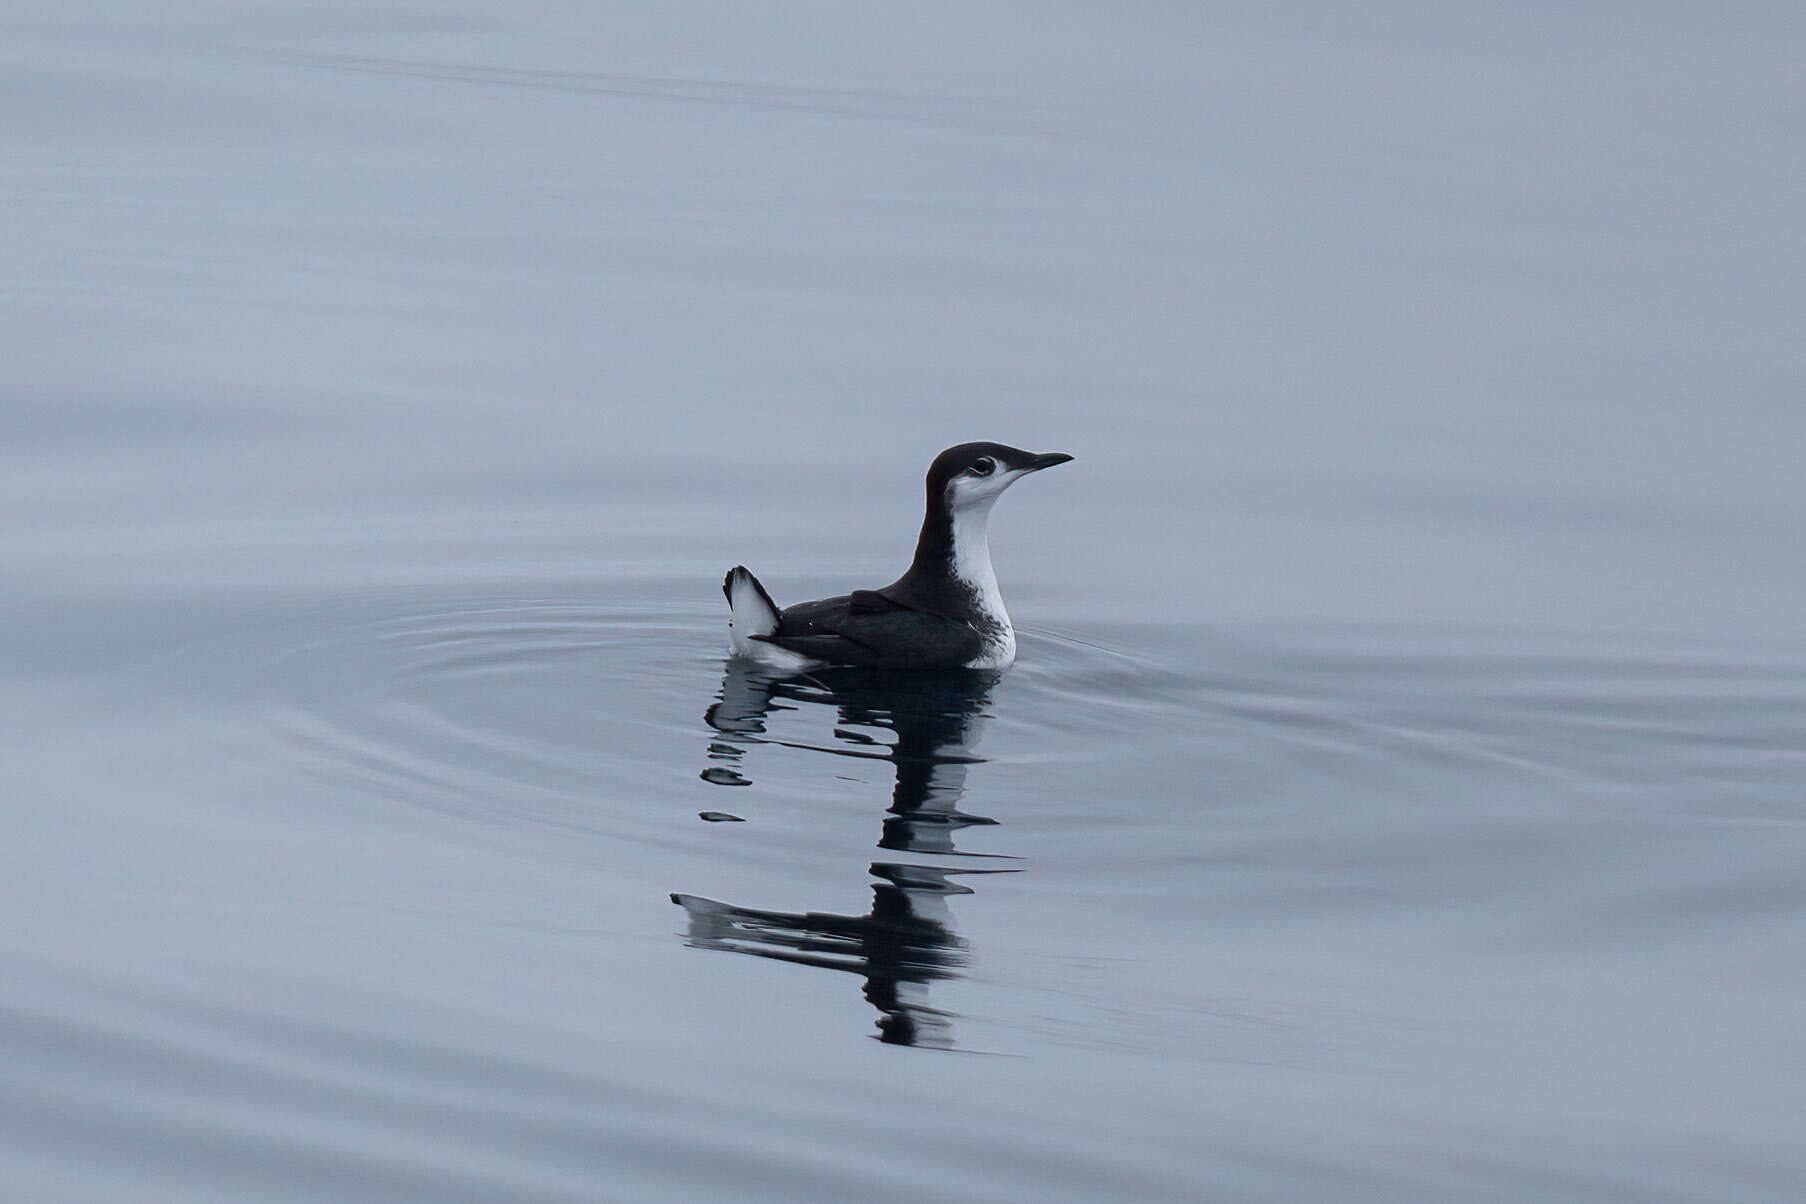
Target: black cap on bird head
{"type": "Point", "coordinates": [983, 470]}
{"type": "Point", "coordinates": [963, 482]}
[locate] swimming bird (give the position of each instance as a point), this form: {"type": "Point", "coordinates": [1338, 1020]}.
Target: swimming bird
{"type": "Point", "coordinates": [945, 612]}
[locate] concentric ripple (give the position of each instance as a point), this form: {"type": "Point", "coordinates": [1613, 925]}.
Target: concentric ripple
{"type": "Point", "coordinates": [508, 711]}
{"type": "Point", "coordinates": [562, 712]}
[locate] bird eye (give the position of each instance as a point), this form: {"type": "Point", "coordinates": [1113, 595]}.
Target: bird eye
{"type": "Point", "coordinates": [984, 466]}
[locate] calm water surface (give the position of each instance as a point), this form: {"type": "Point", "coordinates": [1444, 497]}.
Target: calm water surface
{"type": "Point", "coordinates": [1399, 793]}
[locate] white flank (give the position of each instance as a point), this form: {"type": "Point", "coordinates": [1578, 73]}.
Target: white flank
{"type": "Point", "coordinates": [780, 660]}
{"type": "Point", "coordinates": [749, 614]}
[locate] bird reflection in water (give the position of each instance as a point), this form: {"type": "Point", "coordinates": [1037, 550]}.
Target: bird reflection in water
{"type": "Point", "coordinates": [907, 940]}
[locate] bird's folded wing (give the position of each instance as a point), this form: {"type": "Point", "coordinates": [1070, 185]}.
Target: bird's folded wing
{"type": "Point", "coordinates": [871, 602]}
{"type": "Point", "coordinates": [868, 628]}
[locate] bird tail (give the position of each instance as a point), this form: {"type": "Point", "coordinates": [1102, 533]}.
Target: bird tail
{"type": "Point", "coordinates": [751, 610]}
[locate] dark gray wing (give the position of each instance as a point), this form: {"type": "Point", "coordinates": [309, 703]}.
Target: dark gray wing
{"type": "Point", "coordinates": [867, 628]}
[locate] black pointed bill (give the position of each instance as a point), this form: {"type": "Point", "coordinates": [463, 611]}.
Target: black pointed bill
{"type": "Point", "coordinates": [1047, 461]}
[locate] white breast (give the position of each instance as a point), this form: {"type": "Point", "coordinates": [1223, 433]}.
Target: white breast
{"type": "Point", "coordinates": [972, 566]}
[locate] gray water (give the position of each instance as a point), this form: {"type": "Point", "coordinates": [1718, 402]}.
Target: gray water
{"type": "Point", "coordinates": [1399, 792]}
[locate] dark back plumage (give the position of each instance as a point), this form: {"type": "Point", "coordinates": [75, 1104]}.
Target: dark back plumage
{"type": "Point", "coordinates": [926, 618]}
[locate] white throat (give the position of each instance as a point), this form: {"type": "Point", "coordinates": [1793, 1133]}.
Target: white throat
{"type": "Point", "coordinates": [972, 566]}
